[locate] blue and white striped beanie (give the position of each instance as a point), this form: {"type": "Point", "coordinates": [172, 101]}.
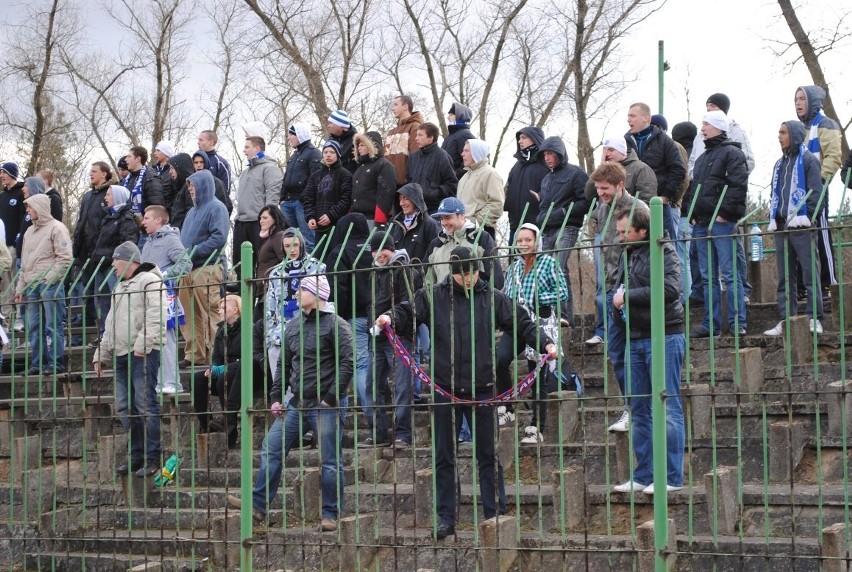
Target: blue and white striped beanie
{"type": "Point", "coordinates": [340, 118]}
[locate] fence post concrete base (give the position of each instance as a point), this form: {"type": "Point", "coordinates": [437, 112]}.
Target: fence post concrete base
{"type": "Point", "coordinates": [306, 495]}
{"type": "Point", "coordinates": [786, 446]}
{"type": "Point", "coordinates": [700, 403]}
{"type": "Point", "coordinates": [27, 455]}
{"type": "Point", "coordinates": [506, 446]}
{"type": "Point", "coordinates": [722, 502]}
{"type": "Point", "coordinates": [623, 456]}
{"type": "Point", "coordinates": [211, 449]}
{"type": "Point", "coordinates": [98, 421]}
{"type": "Point", "coordinates": [226, 554]}
{"type": "Point", "coordinates": [751, 371]}
{"type": "Point", "coordinates": [569, 497]}
{"type": "Point", "coordinates": [645, 546]}
{"type": "Point", "coordinates": [832, 319]}
{"type": "Point", "coordinates": [563, 417]}
{"type": "Point", "coordinates": [800, 340]}
{"type": "Point", "coordinates": [839, 408]}
{"type": "Point", "coordinates": [834, 548]}
{"type": "Point", "coordinates": [499, 543]}
{"type": "Point", "coordinates": [358, 543]}
{"type": "Point", "coordinates": [764, 281]}
{"type": "Point", "coordinates": [424, 500]}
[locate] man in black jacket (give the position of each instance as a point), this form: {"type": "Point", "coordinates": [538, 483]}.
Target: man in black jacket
{"type": "Point", "coordinates": [144, 183]}
{"type": "Point", "coordinates": [11, 213]}
{"type": "Point", "coordinates": [305, 160]}
{"type": "Point", "coordinates": [413, 229]}
{"type": "Point", "coordinates": [219, 166]}
{"type": "Point", "coordinates": [523, 186]}
{"type": "Point", "coordinates": [431, 168]}
{"type": "Point", "coordinates": [463, 368]}
{"type": "Point", "coordinates": [318, 362]}
{"type": "Point", "coordinates": [341, 131]}
{"type": "Point", "coordinates": [458, 125]}
{"type": "Point", "coordinates": [635, 301]}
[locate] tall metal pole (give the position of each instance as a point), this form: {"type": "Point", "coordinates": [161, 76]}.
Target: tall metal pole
{"type": "Point", "coordinates": [246, 398]}
{"type": "Point", "coordinates": [661, 65]}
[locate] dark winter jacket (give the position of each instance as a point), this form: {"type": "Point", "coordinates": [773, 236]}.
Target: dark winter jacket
{"type": "Point", "coordinates": [305, 160]}
{"type": "Point", "coordinates": [222, 192]}
{"type": "Point", "coordinates": [351, 289]}
{"type": "Point", "coordinates": [152, 187]}
{"type": "Point", "coordinates": [115, 228]}
{"type": "Point", "coordinates": [641, 181]}
{"type": "Point", "coordinates": [432, 169]}
{"type": "Point", "coordinates": [182, 163]}
{"type": "Point", "coordinates": [318, 360]}
{"type": "Point", "coordinates": [458, 136]}
{"type": "Point", "coordinates": [346, 140]}
{"type": "Point", "coordinates": [56, 207]}
{"type": "Point", "coordinates": [374, 182]}
{"type": "Point", "coordinates": [92, 213]}
{"type": "Point", "coordinates": [722, 164]}
{"type": "Point", "coordinates": [448, 311]}
{"type": "Point", "coordinates": [395, 284]}
{"type": "Point", "coordinates": [329, 192]}
{"type": "Point", "coordinates": [169, 190]}
{"type": "Point", "coordinates": [637, 291]}
{"type": "Point", "coordinates": [526, 175]}
{"type": "Point", "coordinates": [423, 230]}
{"type": "Point", "coordinates": [12, 211]}
{"type": "Point", "coordinates": [206, 227]}
{"type": "Point", "coordinates": [227, 345]}
{"type": "Point", "coordinates": [221, 169]}
{"type": "Point", "coordinates": [658, 151]}
{"type": "Point", "coordinates": [563, 188]}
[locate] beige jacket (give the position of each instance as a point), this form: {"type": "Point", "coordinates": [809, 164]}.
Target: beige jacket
{"type": "Point", "coordinates": [137, 316]}
{"type": "Point", "coordinates": [47, 248]}
{"type": "Point", "coordinates": [481, 190]}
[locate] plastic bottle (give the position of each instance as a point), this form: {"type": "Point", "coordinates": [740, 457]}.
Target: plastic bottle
{"type": "Point", "coordinates": [756, 244]}
{"type": "Point", "coordinates": [168, 472]}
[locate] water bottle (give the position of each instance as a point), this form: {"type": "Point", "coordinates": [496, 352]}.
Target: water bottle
{"type": "Point", "coordinates": [756, 244]}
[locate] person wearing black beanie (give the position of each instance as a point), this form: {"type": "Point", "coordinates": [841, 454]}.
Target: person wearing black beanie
{"type": "Point", "coordinates": [720, 101]}
{"type": "Point", "coordinates": [684, 133]}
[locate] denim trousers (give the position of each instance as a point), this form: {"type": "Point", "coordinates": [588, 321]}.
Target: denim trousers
{"type": "Point", "coordinates": [446, 422]}
{"type": "Point", "coordinates": [363, 340]}
{"type": "Point", "coordinates": [641, 422]}
{"type": "Point", "coordinates": [294, 215]}
{"type": "Point", "coordinates": [600, 280]}
{"type": "Point", "coordinates": [286, 432]}
{"type": "Point", "coordinates": [137, 404]}
{"type": "Point", "coordinates": [103, 286]}
{"type": "Point", "coordinates": [45, 316]}
{"type": "Point", "coordinates": [378, 400]}
{"type": "Point", "coordinates": [716, 249]}
{"type": "Point", "coordinates": [616, 344]}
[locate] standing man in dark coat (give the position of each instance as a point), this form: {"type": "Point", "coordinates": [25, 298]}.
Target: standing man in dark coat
{"type": "Point", "coordinates": [11, 213]}
{"type": "Point", "coordinates": [144, 184]}
{"type": "Point", "coordinates": [221, 169]}
{"type": "Point", "coordinates": [305, 160]}
{"type": "Point", "coordinates": [432, 168]}
{"type": "Point", "coordinates": [458, 124]}
{"type": "Point", "coordinates": [523, 187]}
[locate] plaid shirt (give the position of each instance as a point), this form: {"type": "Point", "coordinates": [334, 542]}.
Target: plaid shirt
{"type": "Point", "coordinates": [542, 286]}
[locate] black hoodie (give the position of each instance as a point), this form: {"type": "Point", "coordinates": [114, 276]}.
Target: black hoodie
{"type": "Point", "coordinates": [424, 229]}
{"type": "Point", "coordinates": [458, 136]}
{"type": "Point", "coordinates": [526, 175]}
{"type": "Point", "coordinates": [346, 140]}
{"type": "Point", "coordinates": [92, 212]}
{"type": "Point", "coordinates": [182, 163]}
{"type": "Point", "coordinates": [564, 187]}
{"type": "Point", "coordinates": [350, 255]}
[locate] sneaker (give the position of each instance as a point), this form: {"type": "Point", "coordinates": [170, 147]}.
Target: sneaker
{"type": "Point", "coordinates": [532, 436]}
{"type": "Point", "coordinates": [815, 326]}
{"type": "Point", "coordinates": [169, 390]}
{"type": "Point", "coordinates": [444, 529]}
{"type": "Point", "coordinates": [328, 525]}
{"type": "Point", "coordinates": [594, 340]}
{"type": "Point", "coordinates": [778, 330]}
{"type": "Point", "coordinates": [237, 504]}
{"type": "Point", "coordinates": [504, 416]}
{"type": "Point", "coordinates": [401, 443]}
{"type": "Point", "coordinates": [703, 332]}
{"type": "Point", "coordinates": [128, 468]}
{"type": "Point", "coordinates": [148, 470]}
{"type": "Point", "coordinates": [370, 442]}
{"type": "Point", "coordinates": [747, 300]}
{"type": "Point", "coordinates": [563, 323]}
{"type": "Point", "coordinates": [649, 490]}
{"type": "Point", "coordinates": [629, 487]}
{"type": "Point", "coordinates": [19, 325]}
{"type": "Point", "coordinates": [622, 425]}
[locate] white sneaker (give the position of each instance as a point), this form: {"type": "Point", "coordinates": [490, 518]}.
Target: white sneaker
{"type": "Point", "coordinates": [594, 340]}
{"type": "Point", "coordinates": [629, 487]}
{"type": "Point", "coordinates": [504, 416]}
{"type": "Point", "coordinates": [19, 325]}
{"type": "Point", "coordinates": [649, 490]}
{"type": "Point", "coordinates": [532, 436]}
{"type": "Point", "coordinates": [778, 330]}
{"type": "Point", "coordinates": [622, 425]}
{"type": "Point", "coordinates": [169, 389]}
{"type": "Point", "coordinates": [815, 325]}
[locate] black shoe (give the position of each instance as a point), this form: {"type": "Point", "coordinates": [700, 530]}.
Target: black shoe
{"type": "Point", "coordinates": [702, 332]}
{"type": "Point", "coordinates": [308, 440]}
{"type": "Point", "coordinates": [184, 363]}
{"type": "Point", "coordinates": [215, 427]}
{"type": "Point", "coordinates": [126, 469]}
{"type": "Point", "coordinates": [148, 470]}
{"type": "Point", "coordinates": [444, 529]}
{"type": "Point", "coordinates": [370, 442]}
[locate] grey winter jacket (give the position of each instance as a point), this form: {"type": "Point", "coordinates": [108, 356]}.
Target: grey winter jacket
{"type": "Point", "coordinates": [165, 249]}
{"type": "Point", "coordinates": [259, 186]}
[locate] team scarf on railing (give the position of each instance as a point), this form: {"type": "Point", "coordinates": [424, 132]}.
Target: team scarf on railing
{"type": "Point", "coordinates": [520, 389]}
{"type": "Point", "coordinates": [136, 191]}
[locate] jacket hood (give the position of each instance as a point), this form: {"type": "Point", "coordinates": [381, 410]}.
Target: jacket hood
{"type": "Point", "coordinates": [463, 114]}
{"type": "Point", "coordinates": [167, 230]}
{"type": "Point", "coordinates": [534, 133]}
{"type": "Point", "coordinates": [814, 95]}
{"type": "Point", "coordinates": [357, 236]}
{"type": "Point", "coordinates": [685, 133]}
{"type": "Point", "coordinates": [414, 193]}
{"type": "Point", "coordinates": [182, 163]}
{"type": "Point", "coordinates": [400, 258]}
{"type": "Point", "coordinates": [204, 156]}
{"type": "Point", "coordinates": [539, 245]}
{"type": "Point", "coordinates": [35, 186]}
{"type": "Point", "coordinates": [372, 140]}
{"type": "Point", "coordinates": [555, 145]}
{"type": "Point", "coordinates": [120, 195]}
{"type": "Point", "coordinates": [41, 205]}
{"type": "Point", "coordinates": [205, 188]}
{"type": "Point", "coordinates": [798, 131]}
{"type": "Point", "coordinates": [294, 233]}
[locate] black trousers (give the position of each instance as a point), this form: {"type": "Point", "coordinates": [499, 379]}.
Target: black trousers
{"type": "Point", "coordinates": [245, 231]}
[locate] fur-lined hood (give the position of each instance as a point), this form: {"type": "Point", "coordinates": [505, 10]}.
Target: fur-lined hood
{"type": "Point", "coordinates": [372, 140]}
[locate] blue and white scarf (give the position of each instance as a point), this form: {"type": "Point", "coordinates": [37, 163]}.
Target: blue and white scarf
{"type": "Point", "coordinates": [797, 208]}
{"type": "Point", "coordinates": [813, 135]}
{"type": "Point", "coordinates": [136, 191]}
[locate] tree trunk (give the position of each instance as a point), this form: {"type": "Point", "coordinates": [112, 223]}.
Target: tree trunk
{"type": "Point", "coordinates": [38, 92]}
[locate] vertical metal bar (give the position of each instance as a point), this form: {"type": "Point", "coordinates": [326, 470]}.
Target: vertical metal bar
{"type": "Point", "coordinates": [658, 385]}
{"type": "Point", "coordinates": [661, 63]}
{"type": "Point", "coordinates": [246, 397]}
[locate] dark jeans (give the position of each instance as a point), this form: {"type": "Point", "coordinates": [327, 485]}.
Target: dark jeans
{"type": "Point", "coordinates": [383, 362]}
{"type": "Point", "coordinates": [447, 421]}
{"type": "Point", "coordinates": [45, 317]}
{"type": "Point", "coordinates": [137, 405]}
{"type": "Point", "coordinates": [244, 231]}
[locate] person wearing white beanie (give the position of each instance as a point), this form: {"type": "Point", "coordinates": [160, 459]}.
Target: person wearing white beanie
{"type": "Point", "coordinates": [717, 119]}
{"type": "Point", "coordinates": [481, 189]}
{"type": "Point", "coordinates": [164, 151]}
{"type": "Point", "coordinates": [305, 160]}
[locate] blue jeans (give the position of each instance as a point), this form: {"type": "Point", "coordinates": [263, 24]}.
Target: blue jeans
{"type": "Point", "coordinates": [137, 405]}
{"type": "Point", "coordinates": [383, 362]}
{"type": "Point", "coordinates": [616, 343]}
{"type": "Point", "coordinates": [45, 316]}
{"type": "Point", "coordinates": [490, 471]}
{"type": "Point", "coordinates": [682, 247]}
{"type": "Point", "coordinates": [363, 340]}
{"type": "Point", "coordinates": [600, 279]}
{"type": "Point", "coordinates": [294, 215]}
{"type": "Point", "coordinates": [285, 433]}
{"type": "Point", "coordinates": [640, 404]}
{"type": "Point", "coordinates": [719, 244]}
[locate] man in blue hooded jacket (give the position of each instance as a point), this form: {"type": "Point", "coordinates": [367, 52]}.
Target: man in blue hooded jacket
{"type": "Point", "coordinates": [204, 234]}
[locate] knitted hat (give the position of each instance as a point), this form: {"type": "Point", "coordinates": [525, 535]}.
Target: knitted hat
{"type": "Point", "coordinates": [10, 169]}
{"type": "Point", "coordinates": [717, 119]}
{"type": "Point", "coordinates": [684, 133]}
{"type": "Point", "coordinates": [721, 101]}
{"type": "Point", "coordinates": [462, 261]}
{"type": "Point", "coordinates": [660, 121]}
{"type": "Point", "coordinates": [340, 118]}
{"type": "Point", "coordinates": [616, 142]}
{"type": "Point", "coordinates": [302, 131]}
{"type": "Point", "coordinates": [128, 251]}
{"type": "Point", "coordinates": [381, 241]}
{"type": "Point", "coordinates": [479, 149]}
{"type": "Point", "coordinates": [316, 285]}
{"type": "Point", "coordinates": [334, 145]}
{"type": "Point", "coordinates": [449, 206]}
{"type": "Point", "coordinates": [167, 148]}
{"type": "Point", "coordinates": [122, 163]}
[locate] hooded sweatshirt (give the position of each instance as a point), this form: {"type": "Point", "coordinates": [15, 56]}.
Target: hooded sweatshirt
{"type": "Point", "coordinates": [259, 186]}
{"type": "Point", "coordinates": [823, 138]}
{"type": "Point", "coordinates": [786, 172]}
{"type": "Point", "coordinates": [165, 250]}
{"type": "Point", "coordinates": [222, 191]}
{"type": "Point", "coordinates": [182, 163]}
{"type": "Point", "coordinates": [118, 225]}
{"type": "Point", "coordinates": [641, 181]}
{"type": "Point", "coordinates": [525, 178]}
{"type": "Point", "coordinates": [396, 283]}
{"type": "Point", "coordinates": [205, 230]}
{"type": "Point", "coordinates": [482, 192]}
{"type": "Point", "coordinates": [36, 186]}
{"type": "Point", "coordinates": [350, 255]}
{"type": "Point", "coordinates": [459, 133]}
{"type": "Point", "coordinates": [374, 182]}
{"type": "Point", "coordinates": [414, 233]}
{"type": "Point", "coordinates": [401, 144]}
{"type": "Point", "coordinates": [563, 189]}
{"type": "Point", "coordinates": [12, 210]}
{"type": "Point", "coordinates": [48, 248]}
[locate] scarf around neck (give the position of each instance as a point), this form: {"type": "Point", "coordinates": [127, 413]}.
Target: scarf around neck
{"type": "Point", "coordinates": [797, 208]}
{"type": "Point", "coordinates": [136, 191]}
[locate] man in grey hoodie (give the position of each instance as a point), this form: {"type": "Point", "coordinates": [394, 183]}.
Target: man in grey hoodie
{"type": "Point", "coordinates": [259, 186]}
{"type": "Point", "coordinates": [166, 251]}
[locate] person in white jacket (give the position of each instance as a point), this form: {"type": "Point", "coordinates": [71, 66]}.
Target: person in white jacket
{"type": "Point", "coordinates": [133, 337]}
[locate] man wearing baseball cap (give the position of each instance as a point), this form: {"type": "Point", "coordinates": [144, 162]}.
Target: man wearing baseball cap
{"type": "Point", "coordinates": [318, 363]}
{"type": "Point", "coordinates": [131, 344]}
